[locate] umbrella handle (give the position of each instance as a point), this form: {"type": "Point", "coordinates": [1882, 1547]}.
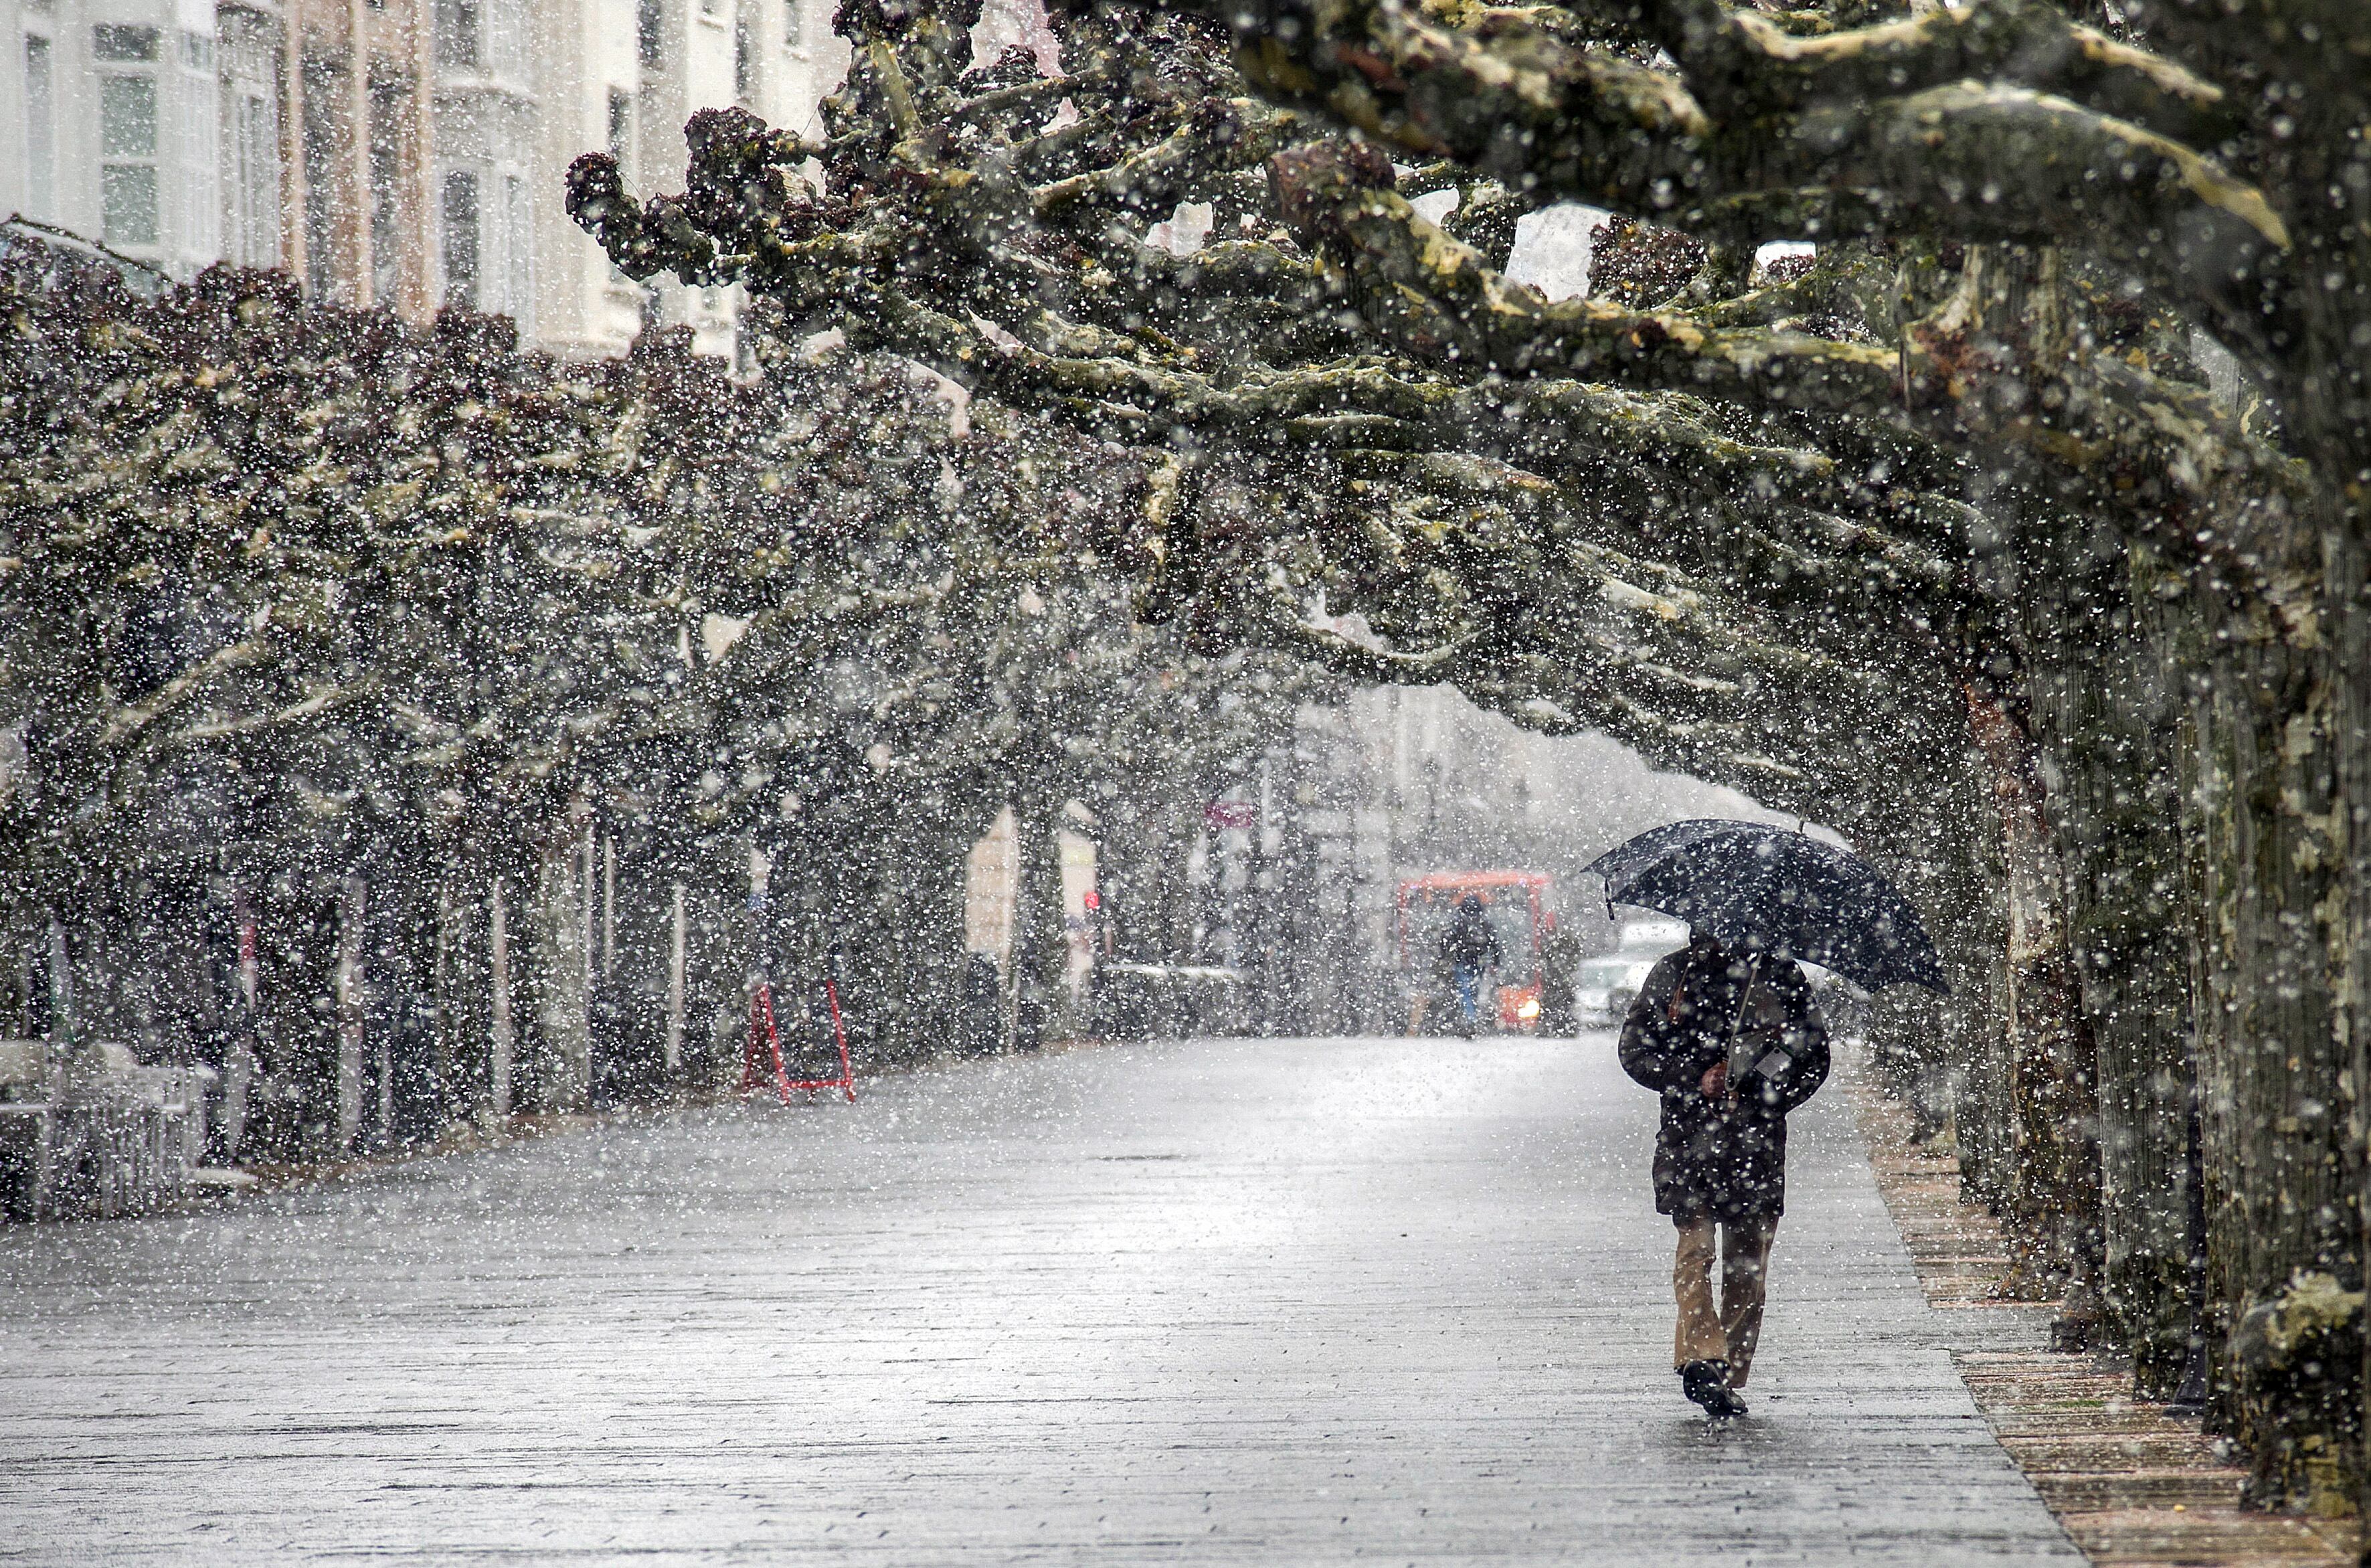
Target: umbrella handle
{"type": "Point", "coordinates": [1737, 1019]}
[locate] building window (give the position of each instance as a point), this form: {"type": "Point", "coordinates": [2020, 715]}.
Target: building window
{"type": "Point", "coordinates": [249, 139]}
{"type": "Point", "coordinates": [255, 177]}
{"type": "Point", "coordinates": [127, 117]}
{"type": "Point", "coordinates": [127, 135]}
{"type": "Point", "coordinates": [650, 33]}
{"type": "Point", "coordinates": [319, 142]}
{"type": "Point", "coordinates": [459, 32]}
{"type": "Point", "coordinates": [519, 246]}
{"type": "Point", "coordinates": [387, 103]}
{"type": "Point", "coordinates": [127, 142]}
{"type": "Point", "coordinates": [193, 148]}
{"type": "Point", "coordinates": [622, 130]}
{"type": "Point", "coordinates": [112, 41]}
{"type": "Point", "coordinates": [461, 239]}
{"type": "Point", "coordinates": [40, 130]}
{"type": "Point", "coordinates": [745, 61]}
{"type": "Point", "coordinates": [127, 195]}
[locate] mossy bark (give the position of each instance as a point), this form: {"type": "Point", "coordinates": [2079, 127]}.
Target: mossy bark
{"type": "Point", "coordinates": [2110, 719]}
{"type": "Point", "coordinates": [2277, 1097]}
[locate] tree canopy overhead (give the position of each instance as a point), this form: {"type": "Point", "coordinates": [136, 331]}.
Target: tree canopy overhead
{"type": "Point", "coordinates": [1693, 520]}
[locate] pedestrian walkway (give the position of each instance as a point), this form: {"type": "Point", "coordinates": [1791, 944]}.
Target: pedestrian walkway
{"type": "Point", "coordinates": [1272, 1302]}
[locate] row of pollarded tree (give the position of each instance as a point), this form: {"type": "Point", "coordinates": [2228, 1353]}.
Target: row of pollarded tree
{"type": "Point", "coordinates": [392, 717]}
{"type": "Point", "coordinates": [2020, 535]}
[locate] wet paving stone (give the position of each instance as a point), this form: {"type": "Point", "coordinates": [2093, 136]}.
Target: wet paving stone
{"type": "Point", "coordinates": [2133, 1486]}
{"type": "Point", "coordinates": [1239, 1301]}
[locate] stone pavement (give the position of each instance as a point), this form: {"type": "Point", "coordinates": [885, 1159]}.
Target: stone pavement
{"type": "Point", "coordinates": [2135, 1486]}
{"type": "Point", "coordinates": [1242, 1302]}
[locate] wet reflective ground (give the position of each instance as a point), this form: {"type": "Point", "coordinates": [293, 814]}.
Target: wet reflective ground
{"type": "Point", "coordinates": [1235, 1301]}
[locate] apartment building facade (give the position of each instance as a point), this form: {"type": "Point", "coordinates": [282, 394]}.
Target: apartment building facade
{"type": "Point", "coordinates": [403, 154]}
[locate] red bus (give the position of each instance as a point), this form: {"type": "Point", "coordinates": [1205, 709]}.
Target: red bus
{"type": "Point", "coordinates": [1514, 904]}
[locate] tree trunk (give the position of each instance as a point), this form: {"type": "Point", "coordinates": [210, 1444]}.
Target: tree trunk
{"type": "Point", "coordinates": [350, 982]}
{"type": "Point", "coordinates": [2052, 1191]}
{"type": "Point", "coordinates": [2277, 1098]}
{"type": "Point", "coordinates": [2110, 721]}
{"type": "Point", "coordinates": [564, 1066]}
{"type": "Point", "coordinates": [2349, 556]}
{"type": "Point", "coordinates": [677, 978]}
{"type": "Point", "coordinates": [501, 1033]}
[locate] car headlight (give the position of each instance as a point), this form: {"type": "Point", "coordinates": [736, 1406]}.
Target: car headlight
{"type": "Point", "coordinates": [1527, 1008]}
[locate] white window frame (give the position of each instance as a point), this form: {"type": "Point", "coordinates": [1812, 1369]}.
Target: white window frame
{"type": "Point", "coordinates": [194, 152]}
{"type": "Point", "coordinates": [106, 71]}
{"type": "Point", "coordinates": [249, 142]}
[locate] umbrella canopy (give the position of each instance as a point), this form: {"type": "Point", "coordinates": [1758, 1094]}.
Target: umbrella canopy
{"type": "Point", "coordinates": [1758, 888]}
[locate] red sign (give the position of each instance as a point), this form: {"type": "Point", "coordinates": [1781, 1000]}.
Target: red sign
{"type": "Point", "coordinates": [1230, 813]}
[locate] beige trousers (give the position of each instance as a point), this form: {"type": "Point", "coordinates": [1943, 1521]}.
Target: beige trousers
{"type": "Point", "coordinates": [1730, 1332]}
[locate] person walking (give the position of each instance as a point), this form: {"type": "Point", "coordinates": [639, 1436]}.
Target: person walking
{"type": "Point", "coordinates": [1469, 949]}
{"type": "Point", "coordinates": [1732, 1042]}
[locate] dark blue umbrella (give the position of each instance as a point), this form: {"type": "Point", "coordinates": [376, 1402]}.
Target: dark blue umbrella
{"type": "Point", "coordinates": [1763, 889]}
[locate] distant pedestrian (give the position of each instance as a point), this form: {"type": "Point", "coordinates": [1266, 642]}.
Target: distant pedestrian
{"type": "Point", "coordinates": [1469, 951]}
{"type": "Point", "coordinates": [1559, 971]}
{"type": "Point", "coordinates": [1732, 1042]}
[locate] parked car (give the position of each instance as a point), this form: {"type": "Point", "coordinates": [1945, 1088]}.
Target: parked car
{"type": "Point", "coordinates": [1606, 987]}
{"type": "Point", "coordinates": [1603, 986]}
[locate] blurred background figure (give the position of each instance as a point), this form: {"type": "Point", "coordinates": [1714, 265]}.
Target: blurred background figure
{"type": "Point", "coordinates": [1469, 949]}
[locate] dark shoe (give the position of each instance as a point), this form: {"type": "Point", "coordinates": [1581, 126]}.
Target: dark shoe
{"type": "Point", "coordinates": [1706, 1383]}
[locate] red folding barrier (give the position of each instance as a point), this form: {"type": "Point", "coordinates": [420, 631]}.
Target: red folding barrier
{"type": "Point", "coordinates": [765, 1037]}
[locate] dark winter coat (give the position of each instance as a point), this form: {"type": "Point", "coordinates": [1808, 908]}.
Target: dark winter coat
{"type": "Point", "coordinates": [1723, 1158]}
{"type": "Point", "coordinates": [1470, 943]}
